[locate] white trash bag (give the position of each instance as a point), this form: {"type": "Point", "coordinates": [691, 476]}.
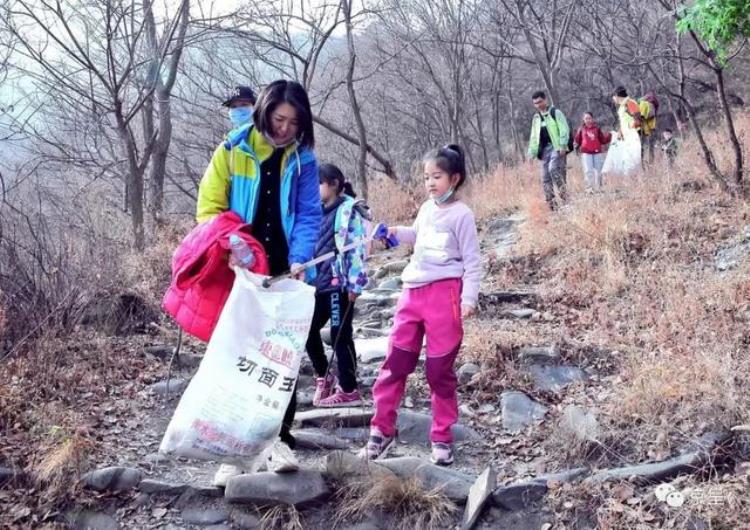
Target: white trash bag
{"type": "Point", "coordinates": [233, 408]}
{"type": "Point", "coordinates": [623, 156]}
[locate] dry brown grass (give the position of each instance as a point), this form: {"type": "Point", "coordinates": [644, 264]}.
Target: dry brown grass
{"type": "Point", "coordinates": [282, 517]}
{"type": "Point", "coordinates": [407, 504]}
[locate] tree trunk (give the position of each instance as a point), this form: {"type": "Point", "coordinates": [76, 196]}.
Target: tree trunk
{"type": "Point", "coordinates": [361, 131]}
{"type": "Point", "coordinates": [729, 122]}
{"type": "Point", "coordinates": [159, 157]}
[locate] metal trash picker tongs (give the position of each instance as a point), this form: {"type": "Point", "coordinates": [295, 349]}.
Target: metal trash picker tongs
{"type": "Point", "coordinates": [378, 233]}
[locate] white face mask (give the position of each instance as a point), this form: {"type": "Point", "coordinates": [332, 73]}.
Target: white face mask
{"type": "Point", "coordinates": [277, 146]}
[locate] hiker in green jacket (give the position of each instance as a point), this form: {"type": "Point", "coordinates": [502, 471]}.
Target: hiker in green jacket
{"type": "Point", "coordinates": [549, 142]}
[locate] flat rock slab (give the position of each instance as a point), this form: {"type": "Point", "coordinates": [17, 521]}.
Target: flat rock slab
{"type": "Point", "coordinates": [549, 354]}
{"type": "Point", "coordinates": [453, 484]}
{"type": "Point", "coordinates": [113, 478]}
{"type": "Point", "coordinates": [519, 313]}
{"type": "Point", "coordinates": [553, 378]}
{"type": "Point", "coordinates": [393, 284]}
{"type": "Point", "coordinates": [519, 411]}
{"type": "Point", "coordinates": [524, 494]}
{"type": "Point", "coordinates": [204, 517]}
{"type": "Point", "coordinates": [175, 385]}
{"type": "Point", "coordinates": [519, 496]}
{"type": "Point", "coordinates": [478, 494]}
{"type": "Point", "coordinates": [344, 466]}
{"type": "Point", "coordinates": [161, 487]}
{"type": "Point", "coordinates": [297, 488]}
{"type": "Point", "coordinates": [371, 350]}
{"type": "Point", "coordinates": [690, 463]}
{"type": "Point", "coordinates": [346, 417]}
{"type": "Point", "coordinates": [319, 439]}
{"type": "Point", "coordinates": [394, 267]}
{"type": "Point", "coordinates": [89, 520]}
{"type": "Point", "coordinates": [245, 520]}
{"type": "Point", "coordinates": [413, 427]}
{"type": "Point", "coordinates": [504, 297]}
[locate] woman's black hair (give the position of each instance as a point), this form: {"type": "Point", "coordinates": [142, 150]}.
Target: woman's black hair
{"type": "Point", "coordinates": [450, 159]}
{"type": "Point", "coordinates": [333, 176]}
{"type": "Point", "coordinates": [291, 92]}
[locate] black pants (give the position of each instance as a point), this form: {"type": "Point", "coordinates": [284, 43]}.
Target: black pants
{"type": "Point", "coordinates": [334, 306]}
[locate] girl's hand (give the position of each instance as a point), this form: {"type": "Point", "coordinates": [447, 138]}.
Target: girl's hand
{"type": "Point", "coordinates": [352, 297]}
{"type": "Point", "coordinates": [468, 311]}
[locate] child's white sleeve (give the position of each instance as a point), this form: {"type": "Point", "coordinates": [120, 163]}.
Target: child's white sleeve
{"type": "Point", "coordinates": [466, 231]}
{"type": "Point", "coordinates": [408, 234]}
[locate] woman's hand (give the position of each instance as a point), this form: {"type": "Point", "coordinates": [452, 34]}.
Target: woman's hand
{"type": "Point", "coordinates": [467, 311]}
{"type": "Point", "coordinates": [297, 271]}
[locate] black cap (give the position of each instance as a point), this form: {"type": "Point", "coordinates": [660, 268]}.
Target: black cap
{"type": "Point", "coordinates": [240, 93]}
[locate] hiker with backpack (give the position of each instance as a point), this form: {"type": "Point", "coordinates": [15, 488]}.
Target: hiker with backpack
{"type": "Point", "coordinates": [589, 141]}
{"type": "Point", "coordinates": [338, 282]}
{"type": "Point", "coordinates": [624, 155]}
{"type": "Point", "coordinates": [649, 108]}
{"type": "Point", "coordinates": [550, 142]}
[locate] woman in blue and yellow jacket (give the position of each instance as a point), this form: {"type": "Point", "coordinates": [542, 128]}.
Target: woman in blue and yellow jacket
{"type": "Point", "coordinates": [266, 172]}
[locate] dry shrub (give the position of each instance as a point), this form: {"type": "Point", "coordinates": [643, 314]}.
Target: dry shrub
{"type": "Point", "coordinates": [282, 517]}
{"type": "Point", "coordinates": [502, 191]}
{"type": "Point", "coordinates": [393, 203]}
{"type": "Point", "coordinates": [406, 502]}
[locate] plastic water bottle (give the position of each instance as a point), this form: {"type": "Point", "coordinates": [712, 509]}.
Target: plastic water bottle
{"type": "Point", "coordinates": [241, 252]}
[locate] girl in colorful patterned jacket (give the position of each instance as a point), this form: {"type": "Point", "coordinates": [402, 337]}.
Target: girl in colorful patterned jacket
{"type": "Point", "coordinates": [338, 282]}
{"type": "Point", "coordinates": [441, 287]}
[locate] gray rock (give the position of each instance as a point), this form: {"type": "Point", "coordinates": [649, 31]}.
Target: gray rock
{"type": "Point", "coordinates": [356, 435]}
{"type": "Point", "coordinates": [478, 494]}
{"type": "Point", "coordinates": [729, 257]}
{"type": "Point", "coordinates": [245, 520]}
{"type": "Point", "coordinates": [466, 372]}
{"type": "Point", "coordinates": [520, 411]}
{"type": "Point", "coordinates": [414, 428]}
{"type": "Point", "coordinates": [453, 484]}
{"type": "Point", "coordinates": [90, 520]}
{"type": "Point", "coordinates": [298, 488]}
{"type": "Point", "coordinates": [504, 297]}
{"type": "Point", "coordinates": [393, 284]}
{"type": "Point", "coordinates": [113, 478]}
{"type": "Point", "coordinates": [176, 386]}
{"type": "Point", "coordinates": [371, 350]}
{"type": "Point", "coordinates": [657, 472]}
{"type": "Point", "coordinates": [394, 267]}
{"type": "Point", "coordinates": [162, 351]}
{"type": "Point", "coordinates": [204, 517]}
{"type": "Point", "coordinates": [519, 313]}
{"type": "Point", "coordinates": [579, 423]}
{"type": "Point", "coordinates": [522, 520]}
{"type": "Point", "coordinates": [189, 361]}
{"type": "Point", "coordinates": [553, 378]}
{"type": "Point", "coordinates": [519, 496]}
{"type": "Point", "coordinates": [346, 417]}
{"type": "Point", "coordinates": [151, 485]}
{"type": "Point", "coordinates": [524, 494]}
{"type": "Point", "coordinates": [305, 399]}
{"type": "Point", "coordinates": [486, 408]}
{"type": "Point", "coordinates": [319, 440]}
{"type": "Point", "coordinates": [156, 459]}
{"type": "Point", "coordinates": [219, 527]}
{"type": "Point", "coordinates": [372, 523]}
{"type": "Point", "coordinates": [368, 381]}
{"type": "Point", "coordinates": [343, 466]}
{"type": "Point", "coordinates": [539, 354]}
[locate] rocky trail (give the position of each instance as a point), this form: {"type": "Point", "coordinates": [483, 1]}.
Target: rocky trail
{"type": "Point", "coordinates": [503, 470]}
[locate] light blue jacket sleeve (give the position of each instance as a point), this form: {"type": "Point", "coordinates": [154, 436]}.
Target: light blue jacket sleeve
{"type": "Point", "coordinates": [308, 214]}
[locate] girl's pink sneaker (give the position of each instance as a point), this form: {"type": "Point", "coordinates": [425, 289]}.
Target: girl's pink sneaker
{"type": "Point", "coordinates": [323, 388]}
{"type": "Point", "coordinates": [341, 399]}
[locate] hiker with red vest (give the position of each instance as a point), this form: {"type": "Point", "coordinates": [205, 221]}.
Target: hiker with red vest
{"type": "Point", "coordinates": [589, 141]}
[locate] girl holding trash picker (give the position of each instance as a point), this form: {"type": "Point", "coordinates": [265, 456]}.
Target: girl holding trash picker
{"type": "Point", "coordinates": [441, 286]}
{"type": "Point", "coordinates": [338, 282]}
